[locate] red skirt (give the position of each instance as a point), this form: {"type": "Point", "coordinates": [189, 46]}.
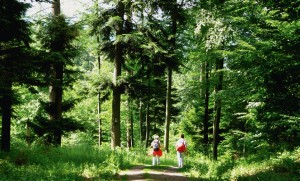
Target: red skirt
{"type": "Point", "coordinates": [157, 153]}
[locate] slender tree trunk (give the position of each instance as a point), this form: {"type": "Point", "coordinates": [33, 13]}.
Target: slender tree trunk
{"type": "Point", "coordinates": [56, 102]}
{"type": "Point", "coordinates": [99, 96]}
{"type": "Point", "coordinates": [141, 121]}
{"type": "Point", "coordinates": [202, 81]}
{"type": "Point", "coordinates": [218, 88]}
{"type": "Point", "coordinates": [169, 81]}
{"type": "Point", "coordinates": [99, 119]}
{"type": "Point", "coordinates": [56, 90]}
{"type": "Point", "coordinates": [168, 106]}
{"type": "Point", "coordinates": [147, 125]}
{"type": "Point", "coordinates": [129, 126]}
{"type": "Point", "coordinates": [116, 104]}
{"type": "Point", "coordinates": [128, 139]}
{"type": "Point", "coordinates": [206, 108]}
{"type": "Point", "coordinates": [128, 12]}
{"type": "Point", "coordinates": [99, 72]}
{"type": "Point", "coordinates": [99, 103]}
{"type": "Point", "coordinates": [99, 132]}
{"type": "Point", "coordinates": [6, 107]}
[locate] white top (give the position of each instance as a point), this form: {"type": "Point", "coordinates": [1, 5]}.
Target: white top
{"type": "Point", "coordinates": [155, 141]}
{"type": "Point", "coordinates": [181, 140]}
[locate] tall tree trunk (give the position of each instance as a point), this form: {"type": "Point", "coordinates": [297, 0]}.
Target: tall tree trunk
{"type": "Point", "coordinates": [99, 103]}
{"type": "Point", "coordinates": [56, 89]}
{"type": "Point", "coordinates": [99, 71]}
{"type": "Point", "coordinates": [56, 7]}
{"type": "Point", "coordinates": [141, 113]}
{"type": "Point", "coordinates": [169, 81]}
{"type": "Point", "coordinates": [168, 106]}
{"type": "Point", "coordinates": [99, 117]}
{"type": "Point", "coordinates": [147, 125]}
{"type": "Point", "coordinates": [141, 121]}
{"type": "Point", "coordinates": [56, 101]}
{"type": "Point", "coordinates": [116, 104]}
{"type": "Point", "coordinates": [128, 12]}
{"type": "Point", "coordinates": [99, 110]}
{"type": "Point", "coordinates": [218, 88]}
{"type": "Point", "coordinates": [6, 107]}
{"type": "Point", "coordinates": [202, 81]}
{"type": "Point", "coordinates": [128, 139]}
{"type": "Point", "coordinates": [206, 108]}
{"type": "Point", "coordinates": [147, 131]}
{"type": "Point", "coordinates": [129, 126]}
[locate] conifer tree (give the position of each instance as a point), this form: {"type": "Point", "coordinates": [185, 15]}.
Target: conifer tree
{"type": "Point", "coordinates": [14, 60]}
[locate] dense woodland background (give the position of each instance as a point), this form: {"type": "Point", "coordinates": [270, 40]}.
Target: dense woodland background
{"type": "Point", "coordinates": [226, 73]}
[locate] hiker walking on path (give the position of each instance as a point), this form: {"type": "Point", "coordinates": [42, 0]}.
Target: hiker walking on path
{"type": "Point", "coordinates": [157, 152]}
{"type": "Point", "coordinates": [181, 147]}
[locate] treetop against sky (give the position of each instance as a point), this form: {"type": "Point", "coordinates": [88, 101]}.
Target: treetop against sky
{"type": "Point", "coordinates": [71, 8]}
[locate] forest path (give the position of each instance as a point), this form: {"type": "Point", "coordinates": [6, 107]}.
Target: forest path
{"type": "Point", "coordinates": [151, 173]}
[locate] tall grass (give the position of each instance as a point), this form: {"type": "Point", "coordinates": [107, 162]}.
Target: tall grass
{"type": "Point", "coordinates": [83, 162]}
{"type": "Point", "coordinates": [281, 166]}
{"type": "Point", "coordinates": [64, 163]}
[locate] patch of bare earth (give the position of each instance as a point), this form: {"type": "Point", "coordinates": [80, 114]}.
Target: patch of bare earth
{"type": "Point", "coordinates": [150, 173]}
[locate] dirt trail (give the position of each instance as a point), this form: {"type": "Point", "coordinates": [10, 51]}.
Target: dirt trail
{"type": "Point", "coordinates": [149, 173]}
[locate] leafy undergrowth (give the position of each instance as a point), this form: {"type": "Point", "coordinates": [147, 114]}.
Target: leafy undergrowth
{"type": "Point", "coordinates": [65, 163]}
{"type": "Point", "coordinates": [83, 162]}
{"type": "Point", "coordinates": [281, 167]}
{"type": "Point", "coordinates": [93, 163]}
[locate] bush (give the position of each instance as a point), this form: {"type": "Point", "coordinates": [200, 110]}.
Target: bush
{"type": "Point", "coordinates": [281, 166]}
{"type": "Point", "coordinates": [65, 163]}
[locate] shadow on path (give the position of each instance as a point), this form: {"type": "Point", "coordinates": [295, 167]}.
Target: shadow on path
{"type": "Point", "coordinates": [150, 173]}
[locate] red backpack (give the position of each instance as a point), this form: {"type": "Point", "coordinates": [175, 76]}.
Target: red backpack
{"type": "Point", "coordinates": [181, 147]}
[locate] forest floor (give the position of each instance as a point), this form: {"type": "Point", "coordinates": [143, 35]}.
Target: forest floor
{"type": "Point", "coordinates": [151, 173]}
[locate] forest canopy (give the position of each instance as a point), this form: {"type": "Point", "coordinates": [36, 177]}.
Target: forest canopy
{"type": "Point", "coordinates": [224, 73]}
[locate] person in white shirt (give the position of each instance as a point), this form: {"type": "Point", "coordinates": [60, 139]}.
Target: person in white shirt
{"type": "Point", "coordinates": [181, 147]}
{"type": "Point", "coordinates": [156, 151]}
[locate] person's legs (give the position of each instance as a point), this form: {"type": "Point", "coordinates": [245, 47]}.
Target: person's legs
{"type": "Point", "coordinates": [153, 160]}
{"type": "Point", "coordinates": [179, 158]}
{"type": "Point", "coordinates": [157, 160]}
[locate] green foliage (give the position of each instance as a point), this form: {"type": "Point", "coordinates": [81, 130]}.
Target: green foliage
{"type": "Point", "coordinates": [259, 44]}
{"type": "Point", "coordinates": [57, 34]}
{"type": "Point", "coordinates": [281, 166]}
{"type": "Point", "coordinates": [18, 62]}
{"type": "Point", "coordinates": [258, 40]}
{"type": "Point", "coordinates": [13, 26]}
{"type": "Point", "coordinates": [83, 162]}
{"type": "Point", "coordinates": [66, 163]}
